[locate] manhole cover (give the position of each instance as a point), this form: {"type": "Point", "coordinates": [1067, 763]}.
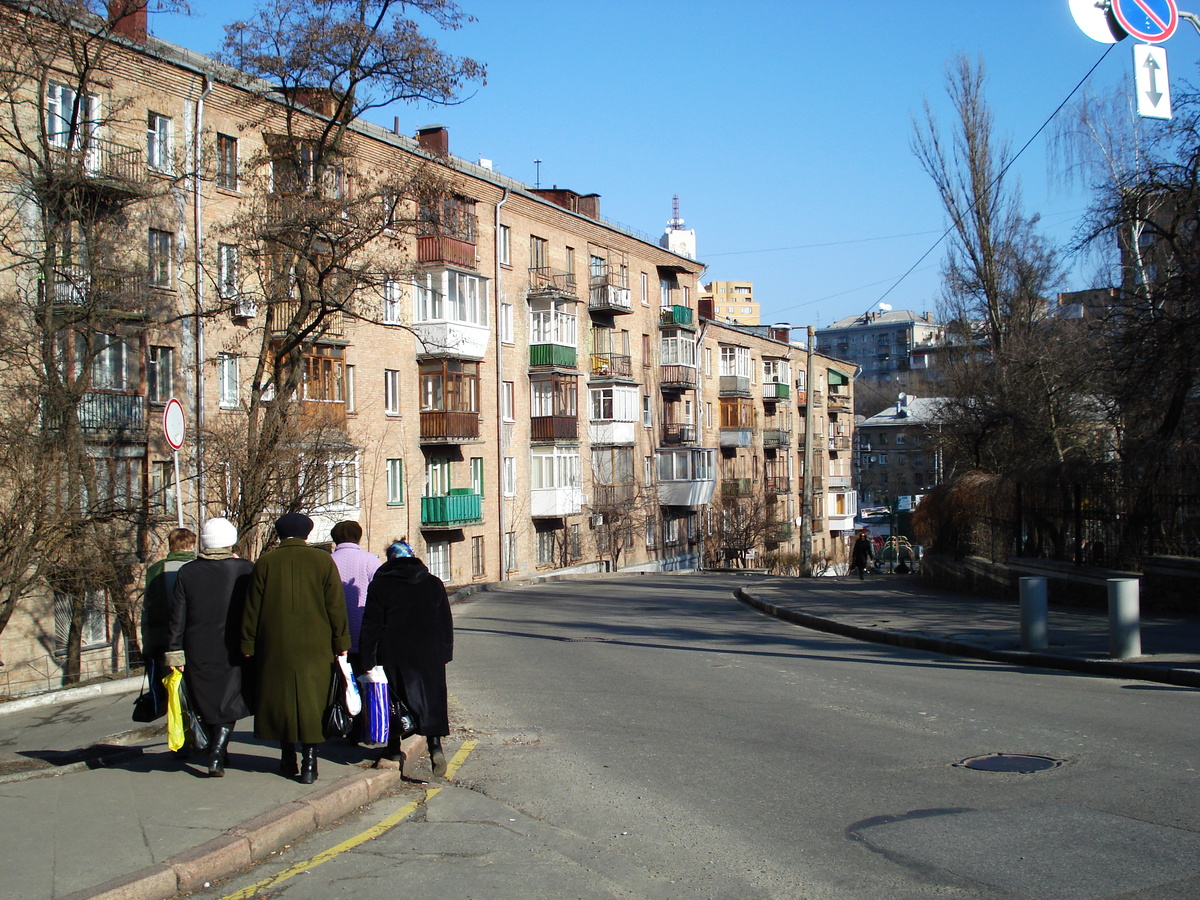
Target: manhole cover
{"type": "Point", "coordinates": [1019, 763]}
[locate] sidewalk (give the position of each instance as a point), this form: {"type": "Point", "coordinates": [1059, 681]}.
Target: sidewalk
{"type": "Point", "coordinates": [95, 805]}
{"type": "Point", "coordinates": [905, 611]}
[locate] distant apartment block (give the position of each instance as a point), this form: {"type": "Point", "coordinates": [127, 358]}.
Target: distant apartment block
{"type": "Point", "coordinates": [732, 301]}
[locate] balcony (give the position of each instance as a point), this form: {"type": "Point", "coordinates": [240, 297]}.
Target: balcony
{"type": "Point", "coordinates": [776, 390]}
{"type": "Point", "coordinates": [735, 386]}
{"type": "Point", "coordinates": [554, 428]}
{"type": "Point", "coordinates": [103, 289]}
{"type": "Point", "coordinates": [282, 314]}
{"type": "Point", "coordinates": [839, 443]}
{"type": "Point", "coordinates": [675, 433]}
{"type": "Point", "coordinates": [839, 482]}
{"type": "Point", "coordinates": [456, 509]}
{"type": "Point", "coordinates": [455, 339]}
{"type": "Point", "coordinates": [551, 356]}
{"type": "Point", "coordinates": [607, 431]}
{"type": "Point", "coordinates": [737, 437]}
{"type": "Point", "coordinates": [545, 281]}
{"type": "Point", "coordinates": [735, 487]}
{"type": "Point", "coordinates": [612, 365]}
{"type": "Point", "coordinates": [674, 316]}
{"type": "Point", "coordinates": [839, 401]}
{"type": "Point", "coordinates": [555, 503]}
{"type": "Point", "coordinates": [778, 532]}
{"type": "Point", "coordinates": [449, 249]}
{"type": "Point", "coordinates": [122, 416]}
{"type": "Point", "coordinates": [610, 495]}
{"type": "Point", "coordinates": [604, 297]}
{"type": "Point", "coordinates": [443, 427]}
{"type": "Point", "coordinates": [102, 165]}
{"type": "Point", "coordinates": [695, 493]}
{"type": "Point", "coordinates": [677, 377]}
{"type": "Point", "coordinates": [802, 398]}
{"type": "Point", "coordinates": [778, 484]}
{"type": "Point", "coordinates": [776, 438]}
{"type": "Point", "coordinates": [816, 398]}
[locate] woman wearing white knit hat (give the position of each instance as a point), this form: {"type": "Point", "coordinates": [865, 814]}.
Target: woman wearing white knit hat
{"type": "Point", "coordinates": [206, 617]}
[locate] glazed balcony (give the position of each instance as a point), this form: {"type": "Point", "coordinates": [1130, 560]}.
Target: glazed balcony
{"type": "Point", "coordinates": [448, 427]}
{"type": "Point", "coordinates": [459, 507]}
{"type": "Point", "coordinates": [675, 433]}
{"type": "Point", "coordinates": [612, 365]}
{"type": "Point", "coordinates": [554, 428]}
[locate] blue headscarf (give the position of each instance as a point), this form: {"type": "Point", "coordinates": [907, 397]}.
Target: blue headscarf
{"type": "Point", "coordinates": [398, 549]}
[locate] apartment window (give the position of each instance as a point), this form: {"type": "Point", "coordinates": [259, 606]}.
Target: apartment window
{"type": "Point", "coordinates": [574, 542]}
{"type": "Point", "coordinates": [437, 558]}
{"type": "Point", "coordinates": [506, 323]}
{"type": "Point", "coordinates": [539, 252]}
{"type": "Point", "coordinates": [452, 296]}
{"type": "Point", "coordinates": [67, 126]}
{"type": "Point", "coordinates": [114, 361]}
{"type": "Point", "coordinates": [343, 483]}
{"type": "Point", "coordinates": [510, 476]}
{"type": "Point", "coordinates": [437, 476]}
{"type": "Point", "coordinates": [391, 302]}
{"type": "Point", "coordinates": [546, 541]}
{"type": "Point", "coordinates": [477, 475]}
{"type": "Point", "coordinates": [323, 375]}
{"type": "Point", "coordinates": [901, 438]}
{"type": "Point", "coordinates": [161, 256]}
{"type": "Point", "coordinates": [95, 621]}
{"type": "Point", "coordinates": [351, 405]}
{"type": "Point", "coordinates": [645, 289]}
{"type": "Point", "coordinates": [227, 380]}
{"type": "Point", "coordinates": [395, 482]}
{"type": "Point", "coordinates": [510, 551]}
{"type": "Point", "coordinates": [162, 487]}
{"type": "Point", "coordinates": [504, 245]}
{"type": "Point", "coordinates": [647, 411]}
{"type": "Point", "coordinates": [159, 155]}
{"type": "Point", "coordinates": [160, 374]}
{"type": "Point", "coordinates": [507, 399]}
{"type": "Point", "coordinates": [646, 350]}
{"type": "Point", "coordinates": [227, 271]}
{"type": "Point", "coordinates": [227, 162]}
{"type": "Point", "coordinates": [391, 392]}
{"type": "Point", "coordinates": [477, 565]}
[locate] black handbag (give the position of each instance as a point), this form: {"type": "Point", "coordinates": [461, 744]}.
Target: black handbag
{"type": "Point", "coordinates": [403, 718]}
{"type": "Point", "coordinates": [195, 734]}
{"type": "Point", "coordinates": [151, 703]}
{"type": "Point", "coordinates": [337, 721]}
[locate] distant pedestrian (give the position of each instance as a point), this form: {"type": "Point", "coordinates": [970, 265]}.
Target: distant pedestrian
{"type": "Point", "coordinates": [158, 597]}
{"type": "Point", "coordinates": [294, 626]}
{"type": "Point", "coordinates": [206, 620]}
{"type": "Point", "coordinates": [356, 567]}
{"type": "Point", "coordinates": [862, 555]}
{"type": "Point", "coordinates": [408, 629]}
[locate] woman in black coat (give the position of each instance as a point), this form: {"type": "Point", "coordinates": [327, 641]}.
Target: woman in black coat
{"type": "Point", "coordinates": [203, 639]}
{"type": "Point", "coordinates": [408, 629]}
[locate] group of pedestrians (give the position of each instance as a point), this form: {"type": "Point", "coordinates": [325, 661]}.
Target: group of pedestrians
{"type": "Point", "coordinates": [262, 638]}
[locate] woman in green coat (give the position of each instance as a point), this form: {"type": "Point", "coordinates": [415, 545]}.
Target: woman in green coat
{"type": "Point", "coordinates": [294, 625]}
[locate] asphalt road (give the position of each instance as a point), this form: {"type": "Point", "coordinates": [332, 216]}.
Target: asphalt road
{"type": "Point", "coordinates": [651, 737]}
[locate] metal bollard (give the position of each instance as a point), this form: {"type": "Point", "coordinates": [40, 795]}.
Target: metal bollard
{"type": "Point", "coordinates": [1035, 628]}
{"type": "Point", "coordinates": [1124, 618]}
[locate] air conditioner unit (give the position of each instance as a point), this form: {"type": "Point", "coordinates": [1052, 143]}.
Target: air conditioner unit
{"type": "Point", "coordinates": [245, 307]}
{"type": "Point", "coordinates": [597, 520]}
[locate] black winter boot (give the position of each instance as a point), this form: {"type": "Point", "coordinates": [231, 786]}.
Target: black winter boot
{"type": "Point", "coordinates": [308, 763]}
{"type": "Point", "coordinates": [436, 756]}
{"type": "Point", "coordinates": [287, 760]}
{"type": "Point", "coordinates": [218, 743]}
{"type": "Point", "coordinates": [392, 751]}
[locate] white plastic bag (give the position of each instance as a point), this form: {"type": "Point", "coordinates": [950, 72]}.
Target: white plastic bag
{"type": "Point", "coordinates": [353, 697]}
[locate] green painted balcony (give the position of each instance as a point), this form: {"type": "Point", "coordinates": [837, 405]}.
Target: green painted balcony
{"type": "Point", "coordinates": [452, 511]}
{"type": "Point", "coordinates": [559, 355]}
{"type": "Point", "coordinates": [675, 315]}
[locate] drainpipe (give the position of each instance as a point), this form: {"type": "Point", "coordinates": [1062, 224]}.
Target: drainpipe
{"type": "Point", "coordinates": [500, 444]}
{"type": "Point", "coordinates": [198, 245]}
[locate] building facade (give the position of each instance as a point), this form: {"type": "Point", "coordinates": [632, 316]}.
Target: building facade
{"type": "Point", "coordinates": [732, 301]}
{"type": "Point", "coordinates": [382, 332]}
{"type": "Point", "coordinates": [895, 350]}
{"type": "Point", "coordinates": [897, 459]}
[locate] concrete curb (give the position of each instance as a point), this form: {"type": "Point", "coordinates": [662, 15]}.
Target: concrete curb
{"type": "Point", "coordinates": [1109, 668]}
{"type": "Point", "coordinates": [246, 842]}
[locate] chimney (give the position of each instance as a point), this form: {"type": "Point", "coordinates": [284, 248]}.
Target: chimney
{"type": "Point", "coordinates": [589, 205]}
{"type": "Point", "coordinates": [128, 18]}
{"type": "Point", "coordinates": [434, 139]}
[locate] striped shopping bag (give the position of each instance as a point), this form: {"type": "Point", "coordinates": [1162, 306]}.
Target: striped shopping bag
{"type": "Point", "coordinates": [375, 704]}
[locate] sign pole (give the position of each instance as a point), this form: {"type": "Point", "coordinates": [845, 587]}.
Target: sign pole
{"type": "Point", "coordinates": [178, 490]}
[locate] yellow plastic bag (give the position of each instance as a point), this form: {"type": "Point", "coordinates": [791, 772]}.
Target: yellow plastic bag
{"type": "Point", "coordinates": [175, 734]}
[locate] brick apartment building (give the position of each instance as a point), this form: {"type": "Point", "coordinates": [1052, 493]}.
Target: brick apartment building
{"type": "Point", "coordinates": [514, 384]}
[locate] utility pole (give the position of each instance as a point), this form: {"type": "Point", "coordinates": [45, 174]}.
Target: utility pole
{"type": "Point", "coordinates": [806, 493]}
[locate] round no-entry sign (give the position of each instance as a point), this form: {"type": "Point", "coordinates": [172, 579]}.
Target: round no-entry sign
{"type": "Point", "coordinates": [1147, 20]}
{"type": "Point", "coordinates": [173, 424]}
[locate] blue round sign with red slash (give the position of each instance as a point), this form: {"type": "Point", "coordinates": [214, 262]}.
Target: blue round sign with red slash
{"type": "Point", "coordinates": [1147, 20]}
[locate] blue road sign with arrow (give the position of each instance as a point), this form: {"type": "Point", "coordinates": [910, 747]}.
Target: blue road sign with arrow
{"type": "Point", "coordinates": [1147, 20]}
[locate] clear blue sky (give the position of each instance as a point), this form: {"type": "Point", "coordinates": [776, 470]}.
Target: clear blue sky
{"type": "Point", "coordinates": [784, 127]}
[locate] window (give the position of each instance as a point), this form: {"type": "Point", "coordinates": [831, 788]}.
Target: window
{"type": "Point", "coordinates": [391, 302]}
{"type": "Point", "coordinates": [114, 361]}
{"type": "Point", "coordinates": [161, 258]}
{"type": "Point", "coordinates": [391, 392]}
{"type": "Point", "coordinates": [901, 437]}
{"type": "Point", "coordinates": [395, 482]}
{"type": "Point", "coordinates": [227, 380]}
{"type": "Point", "coordinates": [504, 245]}
{"type": "Point", "coordinates": [574, 543]}
{"type": "Point", "coordinates": [510, 476]}
{"type": "Point", "coordinates": [554, 467]}
{"type": "Point", "coordinates": [506, 323]}
{"type": "Point", "coordinates": [510, 551]}
{"type": "Point", "coordinates": [227, 162]}
{"type": "Point", "coordinates": [450, 296]}
{"type": "Point", "coordinates": [507, 399]}
{"type": "Point", "coordinates": [71, 120]}
{"type": "Point", "coordinates": [227, 271]}
{"type": "Point", "coordinates": [437, 558]}
{"type": "Point", "coordinates": [646, 360]}
{"type": "Point", "coordinates": [323, 379]}
{"type": "Point", "coordinates": [477, 562]}
{"type": "Point", "coordinates": [545, 547]}
{"type": "Point", "coordinates": [159, 152]}
{"type": "Point", "coordinates": [665, 292]}
{"type": "Point", "coordinates": [160, 374]}
{"type": "Point", "coordinates": [351, 406]}
{"type": "Point", "coordinates": [647, 411]}
{"type": "Point", "coordinates": [477, 475]}
{"type": "Point", "coordinates": [343, 483]}
{"type": "Point", "coordinates": [645, 289]}
{"type": "Point", "coordinates": [94, 605]}
{"type": "Point", "coordinates": [162, 487]}
{"type": "Point", "coordinates": [539, 252]}
{"type": "Point", "coordinates": [437, 476]}
{"type": "Point", "coordinates": [614, 404]}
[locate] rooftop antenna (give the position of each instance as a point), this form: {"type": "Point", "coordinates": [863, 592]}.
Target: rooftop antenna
{"type": "Point", "coordinates": [537, 178]}
{"type": "Point", "coordinates": [675, 223]}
